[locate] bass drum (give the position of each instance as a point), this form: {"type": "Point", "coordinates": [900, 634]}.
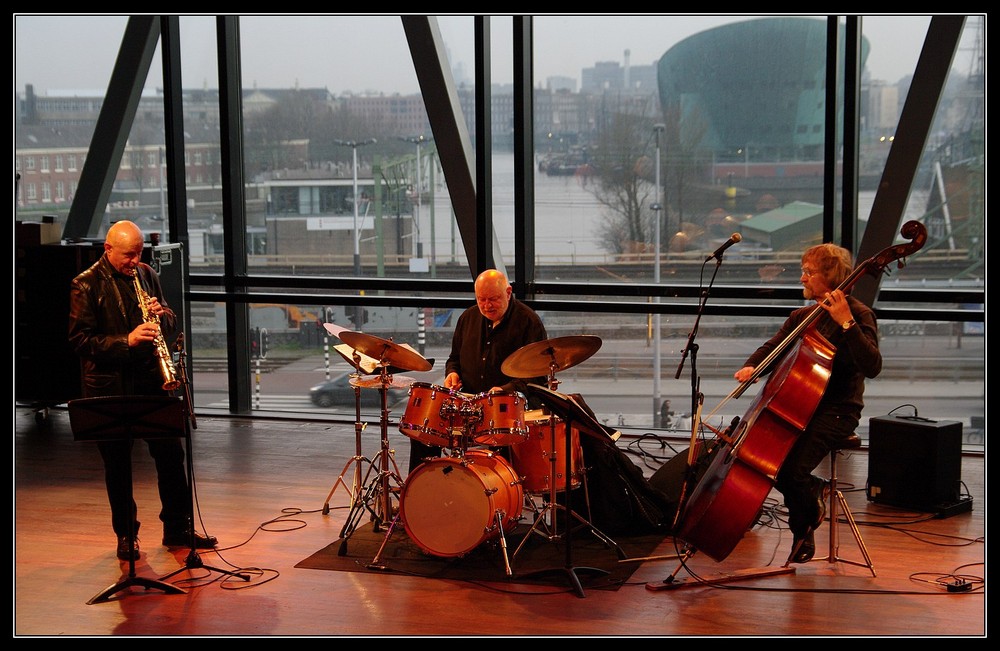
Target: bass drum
{"type": "Point", "coordinates": [449, 506]}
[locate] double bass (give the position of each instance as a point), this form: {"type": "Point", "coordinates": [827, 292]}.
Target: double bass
{"type": "Point", "coordinates": [727, 499]}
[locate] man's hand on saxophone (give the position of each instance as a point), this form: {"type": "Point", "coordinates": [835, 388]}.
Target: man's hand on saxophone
{"type": "Point", "coordinates": [154, 307]}
{"type": "Point", "coordinates": [148, 331]}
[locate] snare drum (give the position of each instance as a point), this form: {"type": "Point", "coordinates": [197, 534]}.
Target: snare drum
{"type": "Point", "coordinates": [433, 414]}
{"type": "Point", "coordinates": [532, 459]}
{"type": "Point", "coordinates": [452, 504]}
{"type": "Point", "coordinates": [500, 419]}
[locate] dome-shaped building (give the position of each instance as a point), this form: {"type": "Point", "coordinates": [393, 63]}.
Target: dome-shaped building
{"type": "Point", "coordinates": [758, 84]}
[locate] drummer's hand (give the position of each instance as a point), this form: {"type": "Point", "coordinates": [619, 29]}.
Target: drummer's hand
{"type": "Point", "coordinates": [453, 381]}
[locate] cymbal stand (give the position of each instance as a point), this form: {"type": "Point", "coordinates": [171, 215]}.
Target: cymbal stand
{"type": "Point", "coordinates": [377, 494]}
{"type": "Point", "coordinates": [548, 509]}
{"type": "Point", "coordinates": [553, 533]}
{"type": "Point", "coordinates": [385, 457]}
{"type": "Point", "coordinates": [553, 506]}
{"type": "Point", "coordinates": [570, 571]}
{"type": "Point", "coordinates": [358, 457]}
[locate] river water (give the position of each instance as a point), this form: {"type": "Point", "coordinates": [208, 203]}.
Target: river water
{"type": "Point", "coordinates": [567, 217]}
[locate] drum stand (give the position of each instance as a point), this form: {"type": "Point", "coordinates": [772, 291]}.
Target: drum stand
{"type": "Point", "coordinates": [377, 493]}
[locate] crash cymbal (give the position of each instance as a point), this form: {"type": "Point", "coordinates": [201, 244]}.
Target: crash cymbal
{"type": "Point", "coordinates": [375, 382]}
{"type": "Point", "coordinates": [550, 355]}
{"type": "Point", "coordinates": [386, 351]}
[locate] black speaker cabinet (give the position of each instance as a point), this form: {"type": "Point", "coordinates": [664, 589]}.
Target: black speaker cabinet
{"type": "Point", "coordinates": [915, 464]}
{"type": "Point", "coordinates": [46, 369]}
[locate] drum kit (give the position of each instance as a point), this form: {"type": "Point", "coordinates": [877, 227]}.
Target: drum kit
{"type": "Point", "coordinates": [452, 504]}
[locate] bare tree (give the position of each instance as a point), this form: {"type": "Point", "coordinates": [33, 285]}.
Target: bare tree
{"type": "Point", "coordinates": [622, 175]}
{"type": "Point", "coordinates": [682, 158]}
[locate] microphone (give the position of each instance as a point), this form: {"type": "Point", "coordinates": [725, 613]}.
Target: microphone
{"type": "Point", "coordinates": [733, 239]}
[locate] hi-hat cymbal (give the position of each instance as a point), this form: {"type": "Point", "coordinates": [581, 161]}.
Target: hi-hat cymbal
{"type": "Point", "coordinates": [375, 382]}
{"type": "Point", "coordinates": [387, 352]}
{"type": "Point", "coordinates": [550, 355]}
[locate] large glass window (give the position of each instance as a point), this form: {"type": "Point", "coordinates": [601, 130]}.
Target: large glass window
{"type": "Point", "coordinates": [655, 139]}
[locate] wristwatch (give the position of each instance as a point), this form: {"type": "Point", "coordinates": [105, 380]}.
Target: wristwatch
{"type": "Point", "coordinates": [847, 325]}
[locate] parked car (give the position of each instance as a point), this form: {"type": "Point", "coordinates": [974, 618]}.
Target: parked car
{"type": "Point", "coordinates": [339, 393]}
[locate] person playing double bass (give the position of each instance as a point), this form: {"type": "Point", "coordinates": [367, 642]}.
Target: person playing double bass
{"type": "Point", "coordinates": [851, 327]}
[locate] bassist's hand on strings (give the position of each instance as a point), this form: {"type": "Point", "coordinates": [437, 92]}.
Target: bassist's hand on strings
{"type": "Point", "coordinates": [835, 304]}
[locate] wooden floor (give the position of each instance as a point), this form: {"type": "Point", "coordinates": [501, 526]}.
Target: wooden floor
{"type": "Point", "coordinates": [261, 486]}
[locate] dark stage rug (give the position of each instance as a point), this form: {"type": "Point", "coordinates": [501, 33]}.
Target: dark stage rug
{"type": "Point", "coordinates": [542, 560]}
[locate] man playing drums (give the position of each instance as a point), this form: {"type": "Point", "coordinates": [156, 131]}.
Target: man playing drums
{"type": "Point", "coordinates": [486, 334]}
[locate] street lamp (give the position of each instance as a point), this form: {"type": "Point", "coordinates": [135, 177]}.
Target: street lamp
{"type": "Point", "coordinates": [417, 245]}
{"type": "Point", "coordinates": [353, 144]}
{"type": "Point", "coordinates": [657, 207]}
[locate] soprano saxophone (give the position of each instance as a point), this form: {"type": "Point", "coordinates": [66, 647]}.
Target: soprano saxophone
{"type": "Point", "coordinates": [170, 381]}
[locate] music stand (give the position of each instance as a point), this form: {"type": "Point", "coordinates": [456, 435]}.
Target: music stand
{"type": "Point", "coordinates": [566, 408]}
{"type": "Point", "coordinates": [126, 418]}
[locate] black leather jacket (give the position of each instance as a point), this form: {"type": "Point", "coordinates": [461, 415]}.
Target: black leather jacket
{"type": "Point", "coordinates": [99, 326]}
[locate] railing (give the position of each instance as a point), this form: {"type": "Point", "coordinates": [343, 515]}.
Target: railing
{"type": "Point", "coordinates": [782, 258]}
{"type": "Point", "coordinates": [714, 367]}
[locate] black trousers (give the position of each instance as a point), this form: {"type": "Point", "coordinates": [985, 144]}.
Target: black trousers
{"type": "Point", "coordinates": [795, 480]}
{"type": "Point", "coordinates": [171, 482]}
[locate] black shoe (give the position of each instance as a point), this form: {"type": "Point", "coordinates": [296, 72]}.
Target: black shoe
{"type": "Point", "coordinates": [183, 539]}
{"type": "Point", "coordinates": [804, 548]}
{"type": "Point", "coordinates": [128, 550]}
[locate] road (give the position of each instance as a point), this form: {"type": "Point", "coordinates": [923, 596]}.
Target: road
{"type": "Point", "coordinates": [621, 396]}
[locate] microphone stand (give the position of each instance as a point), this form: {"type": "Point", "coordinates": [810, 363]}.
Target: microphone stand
{"type": "Point", "coordinates": [697, 397]}
{"type": "Point", "coordinates": [193, 559]}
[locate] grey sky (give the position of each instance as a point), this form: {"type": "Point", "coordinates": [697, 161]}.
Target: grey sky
{"type": "Point", "coordinates": [359, 53]}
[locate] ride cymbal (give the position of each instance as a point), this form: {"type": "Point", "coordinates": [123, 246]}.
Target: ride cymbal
{"type": "Point", "coordinates": [551, 355]}
{"type": "Point", "coordinates": [386, 351]}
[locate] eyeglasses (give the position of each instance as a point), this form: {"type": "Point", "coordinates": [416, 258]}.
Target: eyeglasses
{"type": "Point", "coordinates": [808, 273]}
